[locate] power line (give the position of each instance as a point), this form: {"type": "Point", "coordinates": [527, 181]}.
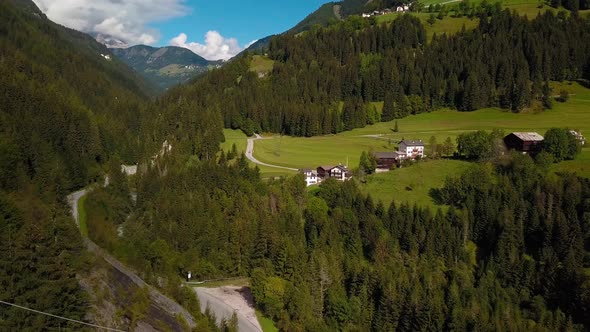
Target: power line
{"type": "Point", "coordinates": [60, 317]}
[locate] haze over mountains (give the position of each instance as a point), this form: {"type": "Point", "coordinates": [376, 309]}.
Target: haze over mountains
{"type": "Point", "coordinates": [165, 66]}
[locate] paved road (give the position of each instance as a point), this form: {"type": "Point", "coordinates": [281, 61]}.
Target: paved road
{"type": "Point", "coordinates": [164, 302]}
{"type": "Point", "coordinates": [223, 309]}
{"type": "Point", "coordinates": [250, 154]}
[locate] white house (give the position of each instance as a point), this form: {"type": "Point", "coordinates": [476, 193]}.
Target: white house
{"type": "Point", "coordinates": [311, 177]}
{"type": "Point", "coordinates": [340, 173]}
{"type": "Point", "coordinates": [411, 149]}
{"type": "Point", "coordinates": [401, 9]}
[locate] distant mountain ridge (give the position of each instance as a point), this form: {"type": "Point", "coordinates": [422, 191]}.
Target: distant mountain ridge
{"type": "Point", "coordinates": [165, 66]}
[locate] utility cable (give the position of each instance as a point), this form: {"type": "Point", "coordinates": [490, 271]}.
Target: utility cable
{"type": "Point", "coordinates": [60, 317]}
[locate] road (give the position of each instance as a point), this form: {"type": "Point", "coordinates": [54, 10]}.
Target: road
{"type": "Point", "coordinates": [224, 301]}
{"type": "Point", "coordinates": [73, 199]}
{"type": "Point", "coordinates": [250, 154]}
{"type": "Point", "coordinates": [164, 302]}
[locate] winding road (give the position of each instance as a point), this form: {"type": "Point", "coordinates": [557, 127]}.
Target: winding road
{"type": "Point", "coordinates": [165, 303]}
{"type": "Point", "coordinates": [250, 154]}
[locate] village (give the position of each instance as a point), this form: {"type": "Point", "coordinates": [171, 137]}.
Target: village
{"type": "Point", "coordinates": [398, 9]}
{"type": "Point", "coordinates": [412, 150]}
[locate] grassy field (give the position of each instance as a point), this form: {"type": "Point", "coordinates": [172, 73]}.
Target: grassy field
{"type": "Point", "coordinates": [302, 152]}
{"type": "Point", "coordinates": [214, 284]}
{"type": "Point", "coordinates": [451, 25]}
{"type": "Point", "coordinates": [448, 25]}
{"type": "Point", "coordinates": [412, 184]}
{"type": "Point", "coordinates": [82, 215]}
{"type": "Point", "coordinates": [261, 64]}
{"type": "Point", "coordinates": [238, 138]}
{"type": "Point", "coordinates": [266, 324]}
{"type": "Point", "coordinates": [580, 166]}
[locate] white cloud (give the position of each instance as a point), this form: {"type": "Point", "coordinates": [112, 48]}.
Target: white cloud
{"type": "Point", "coordinates": [123, 19]}
{"type": "Point", "coordinates": [216, 46]}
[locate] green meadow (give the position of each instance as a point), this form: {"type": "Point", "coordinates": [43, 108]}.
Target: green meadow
{"type": "Point", "coordinates": [346, 147]}
{"type": "Point", "coordinates": [413, 183]}
{"type": "Point", "coordinates": [261, 64]}
{"type": "Point", "coordinates": [451, 25]}
{"type": "Point", "coordinates": [302, 152]}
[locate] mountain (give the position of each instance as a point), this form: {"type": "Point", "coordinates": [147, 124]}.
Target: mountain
{"type": "Point", "coordinates": [69, 108]}
{"type": "Point", "coordinates": [165, 66]}
{"type": "Point", "coordinates": [108, 40]}
{"type": "Point", "coordinates": [335, 11]}
{"type": "Point", "coordinates": [260, 45]}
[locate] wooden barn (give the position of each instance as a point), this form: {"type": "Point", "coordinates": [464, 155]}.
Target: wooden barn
{"type": "Point", "coordinates": [386, 160]}
{"type": "Point", "coordinates": [530, 143]}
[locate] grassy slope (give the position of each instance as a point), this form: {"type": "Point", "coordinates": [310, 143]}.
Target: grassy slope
{"type": "Point", "coordinates": [306, 152]}
{"type": "Point", "coordinates": [580, 166]}
{"type": "Point", "coordinates": [448, 25]}
{"type": "Point", "coordinates": [266, 324]}
{"type": "Point", "coordinates": [261, 64]}
{"type": "Point", "coordinates": [420, 178]}
{"type": "Point", "coordinates": [240, 139]}
{"type": "Point", "coordinates": [311, 152]}
{"type": "Point", "coordinates": [451, 25]}
{"type": "Point", "coordinates": [82, 215]}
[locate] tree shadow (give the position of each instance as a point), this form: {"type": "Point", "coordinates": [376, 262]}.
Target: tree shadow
{"type": "Point", "coordinates": [437, 196]}
{"type": "Point", "coordinates": [246, 293]}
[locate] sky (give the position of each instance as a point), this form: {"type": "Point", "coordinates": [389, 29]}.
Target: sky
{"type": "Point", "coordinates": [214, 29]}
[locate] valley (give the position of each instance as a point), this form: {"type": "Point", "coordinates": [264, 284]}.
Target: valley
{"type": "Point", "coordinates": [379, 166]}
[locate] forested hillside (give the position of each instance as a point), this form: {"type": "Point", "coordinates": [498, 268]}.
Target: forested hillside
{"type": "Point", "coordinates": [66, 107]}
{"type": "Point", "coordinates": [510, 253]}
{"type": "Point", "coordinates": [506, 61]}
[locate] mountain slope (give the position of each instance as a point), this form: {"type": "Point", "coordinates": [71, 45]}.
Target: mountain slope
{"type": "Point", "coordinates": [166, 66]}
{"type": "Point", "coordinates": [67, 106]}
{"type": "Point", "coordinates": [335, 11]}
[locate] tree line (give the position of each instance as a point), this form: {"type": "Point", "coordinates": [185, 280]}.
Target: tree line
{"type": "Point", "coordinates": [329, 79]}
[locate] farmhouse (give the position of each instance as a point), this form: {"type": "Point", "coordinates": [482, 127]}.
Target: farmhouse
{"type": "Point", "coordinates": [340, 172]}
{"type": "Point", "coordinates": [311, 177]}
{"type": "Point", "coordinates": [530, 143]}
{"type": "Point", "coordinates": [411, 149]}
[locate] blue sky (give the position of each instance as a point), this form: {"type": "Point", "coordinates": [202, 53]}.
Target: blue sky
{"type": "Point", "coordinates": [212, 29]}
{"type": "Point", "coordinates": [243, 20]}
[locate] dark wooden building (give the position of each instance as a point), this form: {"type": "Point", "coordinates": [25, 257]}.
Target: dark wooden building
{"type": "Point", "coordinates": [530, 143]}
{"type": "Point", "coordinates": [386, 160]}
{"type": "Point", "coordinates": [324, 171]}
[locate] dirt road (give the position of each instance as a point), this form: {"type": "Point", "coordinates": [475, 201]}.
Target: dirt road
{"type": "Point", "coordinates": [250, 154]}
{"type": "Point", "coordinates": [224, 301]}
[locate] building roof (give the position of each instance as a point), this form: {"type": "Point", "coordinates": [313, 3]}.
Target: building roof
{"type": "Point", "coordinates": [408, 142]}
{"type": "Point", "coordinates": [342, 167]}
{"type": "Point", "coordinates": [326, 168]}
{"type": "Point", "coordinates": [529, 136]}
{"type": "Point", "coordinates": [385, 155]}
